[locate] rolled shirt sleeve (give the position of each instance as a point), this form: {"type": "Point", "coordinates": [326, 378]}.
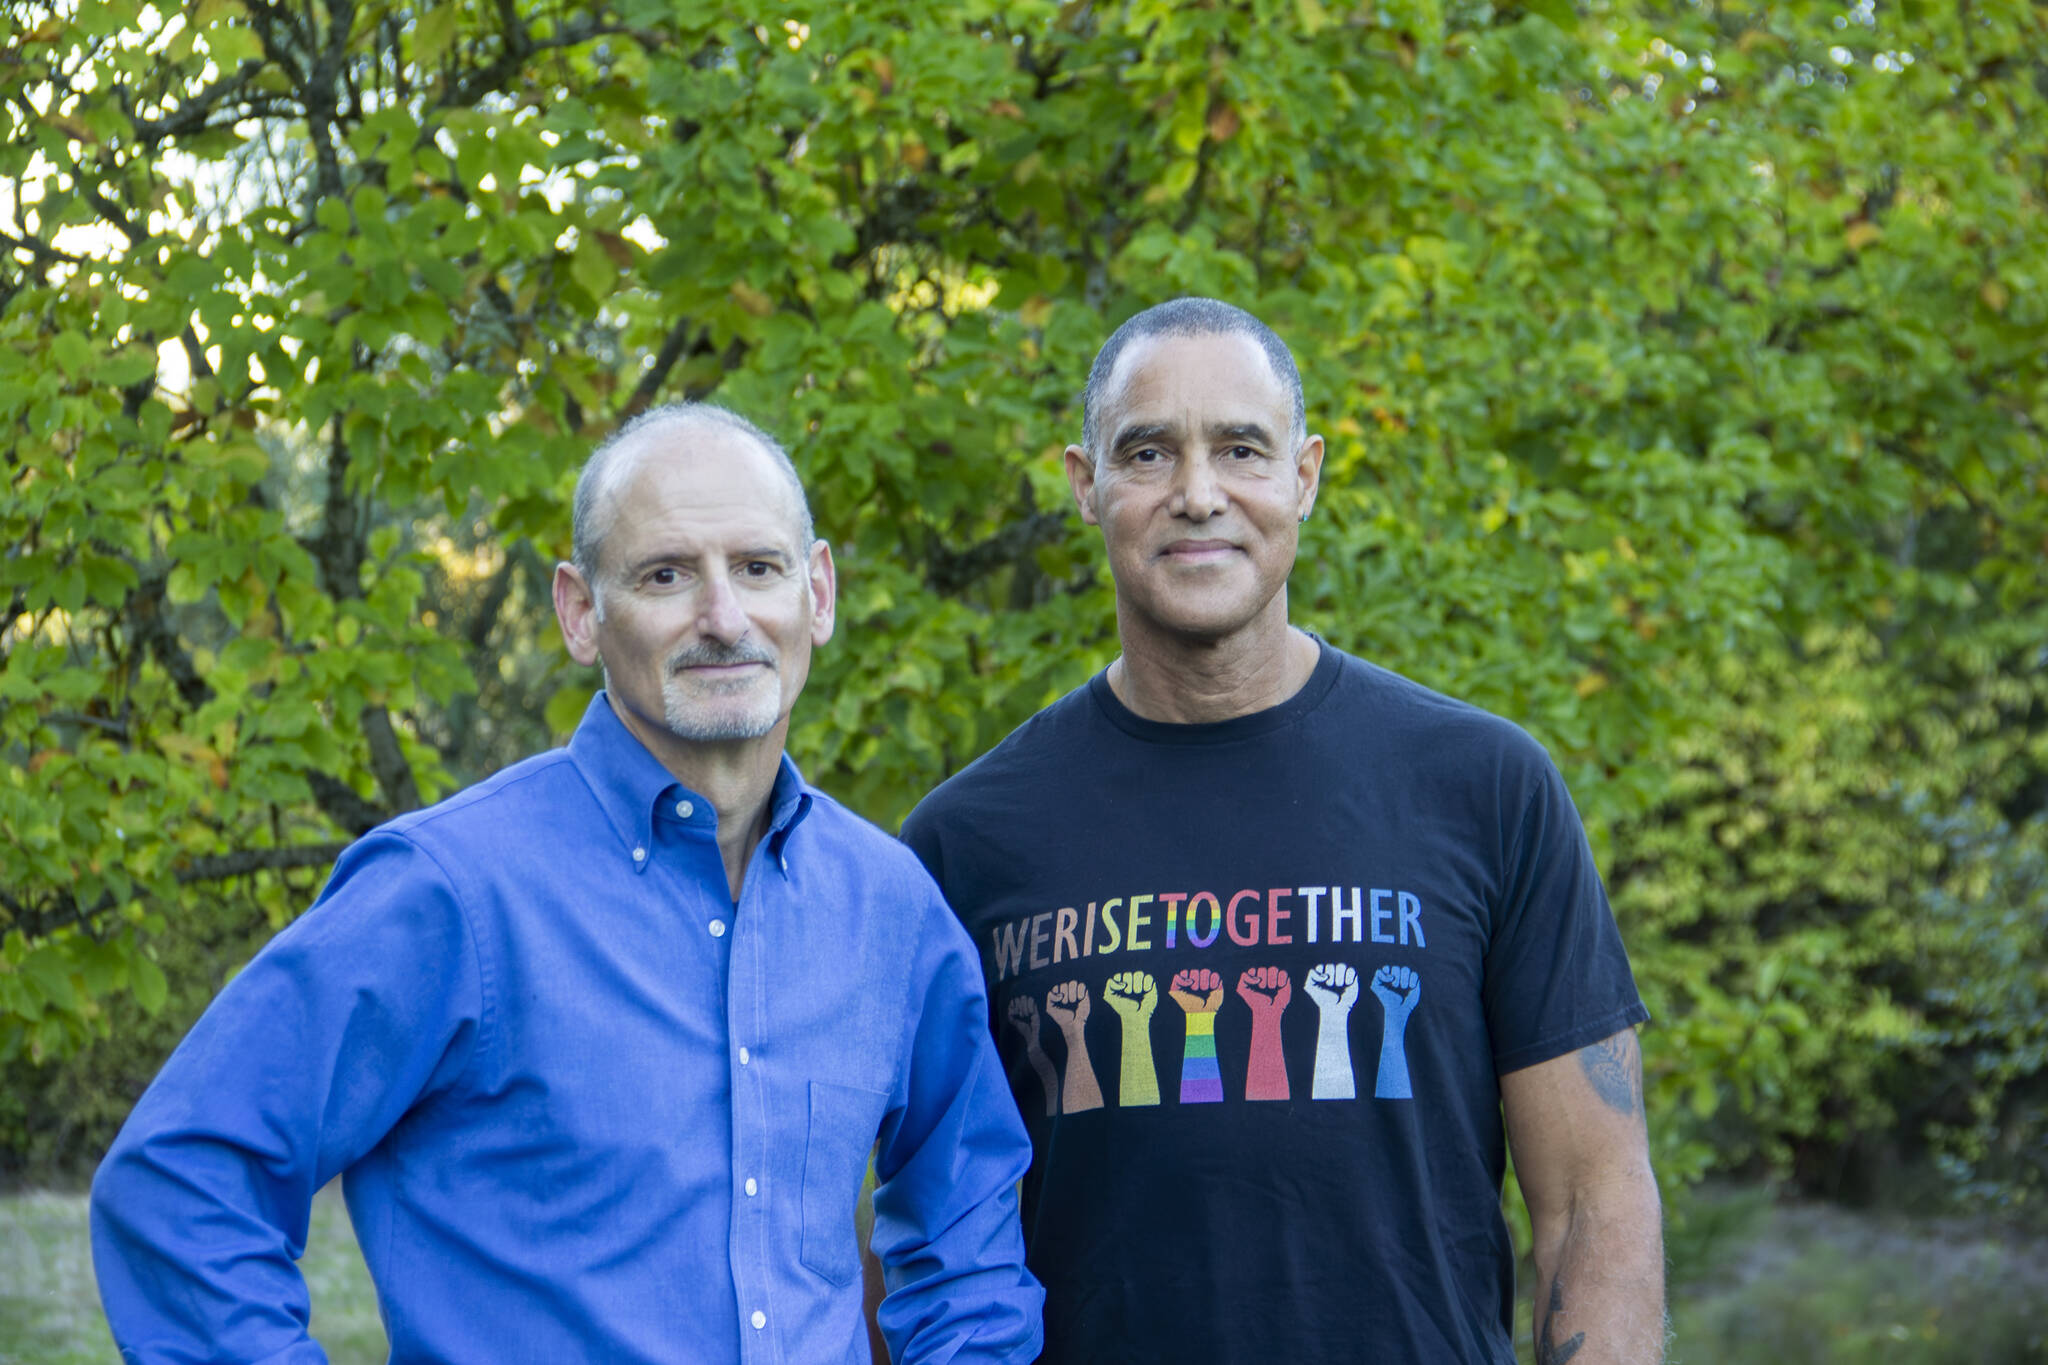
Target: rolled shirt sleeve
{"type": "Point", "coordinates": [305, 1061]}
{"type": "Point", "coordinates": [947, 1167]}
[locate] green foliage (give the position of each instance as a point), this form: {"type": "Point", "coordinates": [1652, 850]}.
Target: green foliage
{"type": "Point", "coordinates": [55, 1120]}
{"type": "Point", "coordinates": [1680, 368]}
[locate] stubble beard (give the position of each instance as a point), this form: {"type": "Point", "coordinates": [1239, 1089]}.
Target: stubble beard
{"type": "Point", "coordinates": [754, 710]}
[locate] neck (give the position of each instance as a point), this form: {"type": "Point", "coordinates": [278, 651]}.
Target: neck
{"type": "Point", "coordinates": [735, 776]}
{"type": "Point", "coordinates": [1193, 682]}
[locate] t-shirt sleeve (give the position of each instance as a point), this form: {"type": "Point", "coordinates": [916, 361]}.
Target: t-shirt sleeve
{"type": "Point", "coordinates": [1557, 977]}
{"type": "Point", "coordinates": [920, 832]}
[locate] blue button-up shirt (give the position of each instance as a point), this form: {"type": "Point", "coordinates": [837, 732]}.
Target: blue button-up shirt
{"type": "Point", "coordinates": [584, 1106]}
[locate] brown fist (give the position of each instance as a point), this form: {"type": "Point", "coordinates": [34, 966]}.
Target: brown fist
{"type": "Point", "coordinates": [1197, 990]}
{"type": "Point", "coordinates": [1067, 1005]}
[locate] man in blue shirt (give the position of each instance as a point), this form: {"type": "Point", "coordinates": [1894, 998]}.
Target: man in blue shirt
{"type": "Point", "coordinates": [600, 1046]}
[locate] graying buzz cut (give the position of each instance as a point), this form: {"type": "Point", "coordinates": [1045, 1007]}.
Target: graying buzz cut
{"type": "Point", "coordinates": [1192, 316]}
{"type": "Point", "coordinates": [590, 520]}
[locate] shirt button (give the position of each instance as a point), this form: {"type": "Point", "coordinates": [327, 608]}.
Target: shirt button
{"type": "Point", "coordinates": [759, 1319]}
{"type": "Point", "coordinates": [743, 1056]}
{"type": "Point", "coordinates": [639, 855]}
{"type": "Point", "coordinates": [752, 1188]}
{"type": "Point", "coordinates": [683, 808]}
{"type": "Point", "coordinates": [718, 928]}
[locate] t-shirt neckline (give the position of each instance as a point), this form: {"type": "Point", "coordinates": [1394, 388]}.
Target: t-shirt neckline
{"type": "Point", "coordinates": [1309, 696]}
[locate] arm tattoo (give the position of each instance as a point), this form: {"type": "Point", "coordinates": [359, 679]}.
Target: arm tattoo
{"type": "Point", "coordinates": [1615, 1067]}
{"type": "Point", "coordinates": [1549, 1351]}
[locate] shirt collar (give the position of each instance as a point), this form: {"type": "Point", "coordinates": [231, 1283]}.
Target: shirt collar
{"type": "Point", "coordinates": [628, 782]}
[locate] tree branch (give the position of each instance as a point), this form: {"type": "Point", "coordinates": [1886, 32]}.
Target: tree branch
{"type": "Point", "coordinates": [951, 572]}
{"type": "Point", "coordinates": [673, 348]}
{"type": "Point", "coordinates": [221, 866]}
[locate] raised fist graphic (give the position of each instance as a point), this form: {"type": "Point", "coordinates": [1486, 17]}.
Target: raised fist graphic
{"type": "Point", "coordinates": [1197, 990]}
{"type": "Point", "coordinates": [1199, 993]}
{"type": "Point", "coordinates": [1398, 988]}
{"type": "Point", "coordinates": [1134, 995]}
{"type": "Point", "coordinates": [1266, 990]}
{"type": "Point", "coordinates": [1334, 988]}
{"type": "Point", "coordinates": [1024, 1018]}
{"type": "Point", "coordinates": [1067, 1006]}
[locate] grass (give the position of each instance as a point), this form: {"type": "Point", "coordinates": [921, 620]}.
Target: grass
{"type": "Point", "coordinates": [50, 1309]}
{"type": "Point", "coordinates": [1756, 1282]}
{"type": "Point", "coordinates": [1753, 1282]}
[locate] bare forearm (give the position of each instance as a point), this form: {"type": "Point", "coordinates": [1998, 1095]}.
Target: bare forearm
{"type": "Point", "coordinates": [1600, 1278]}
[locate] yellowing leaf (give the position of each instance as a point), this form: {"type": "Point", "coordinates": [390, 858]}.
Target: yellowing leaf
{"type": "Point", "coordinates": [151, 989]}
{"type": "Point", "coordinates": [1862, 234]}
{"type": "Point", "coordinates": [752, 299]}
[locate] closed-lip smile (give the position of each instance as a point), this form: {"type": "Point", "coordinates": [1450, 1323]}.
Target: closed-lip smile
{"type": "Point", "coordinates": [1198, 549]}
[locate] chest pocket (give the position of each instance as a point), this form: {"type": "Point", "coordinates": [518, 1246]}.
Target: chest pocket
{"type": "Point", "coordinates": [842, 1132]}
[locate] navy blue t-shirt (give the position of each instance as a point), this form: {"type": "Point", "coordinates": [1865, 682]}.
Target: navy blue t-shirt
{"type": "Point", "coordinates": [1254, 983]}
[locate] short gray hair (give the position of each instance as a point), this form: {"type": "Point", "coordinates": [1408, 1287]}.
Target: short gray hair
{"type": "Point", "coordinates": [1187, 317]}
{"type": "Point", "coordinates": [589, 520]}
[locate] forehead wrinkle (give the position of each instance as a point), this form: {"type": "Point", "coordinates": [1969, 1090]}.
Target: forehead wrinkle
{"type": "Point", "coordinates": [638, 460]}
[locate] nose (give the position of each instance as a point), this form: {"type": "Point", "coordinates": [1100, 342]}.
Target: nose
{"type": "Point", "coordinates": [719, 615]}
{"type": "Point", "coordinates": [1197, 492]}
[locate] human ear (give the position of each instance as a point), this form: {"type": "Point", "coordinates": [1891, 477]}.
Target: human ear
{"type": "Point", "coordinates": [576, 610]}
{"type": "Point", "coordinates": [1308, 468]}
{"type": "Point", "coordinates": [1081, 478]}
{"type": "Point", "coordinates": [824, 593]}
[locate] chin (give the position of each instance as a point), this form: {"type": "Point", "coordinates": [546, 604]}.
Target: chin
{"type": "Point", "coordinates": [736, 719]}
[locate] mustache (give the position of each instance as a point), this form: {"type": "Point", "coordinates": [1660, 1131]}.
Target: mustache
{"type": "Point", "coordinates": [709, 654]}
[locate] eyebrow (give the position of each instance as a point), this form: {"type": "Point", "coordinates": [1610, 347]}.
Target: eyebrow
{"type": "Point", "coordinates": [782, 557]}
{"type": "Point", "coordinates": [1220, 431]}
{"type": "Point", "coordinates": [1149, 431]}
{"type": "Point", "coordinates": [1241, 431]}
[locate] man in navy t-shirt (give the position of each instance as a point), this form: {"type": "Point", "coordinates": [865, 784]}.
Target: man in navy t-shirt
{"type": "Point", "coordinates": [1284, 950]}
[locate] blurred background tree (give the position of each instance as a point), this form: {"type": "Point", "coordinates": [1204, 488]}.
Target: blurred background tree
{"type": "Point", "coordinates": [1682, 366]}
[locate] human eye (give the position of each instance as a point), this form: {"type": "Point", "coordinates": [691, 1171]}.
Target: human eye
{"type": "Point", "coordinates": [663, 576]}
{"type": "Point", "coordinates": [760, 568]}
{"type": "Point", "coordinates": [1144, 455]}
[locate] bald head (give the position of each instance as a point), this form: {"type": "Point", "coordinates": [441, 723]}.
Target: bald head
{"type": "Point", "coordinates": [609, 471]}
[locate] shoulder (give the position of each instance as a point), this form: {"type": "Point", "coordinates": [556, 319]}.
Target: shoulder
{"type": "Point", "coordinates": [480, 827]}
{"type": "Point", "coordinates": [1409, 714]}
{"type": "Point", "coordinates": [1044, 750]}
{"type": "Point", "coordinates": [527, 789]}
{"type": "Point", "coordinates": [836, 833]}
